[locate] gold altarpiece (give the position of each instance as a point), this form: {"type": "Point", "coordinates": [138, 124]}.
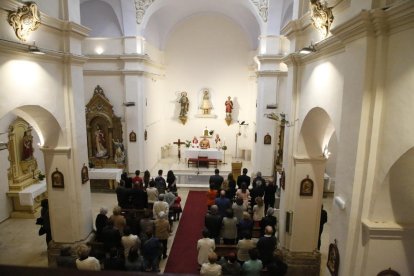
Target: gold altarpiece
{"type": "Point", "coordinates": [104, 130]}
{"type": "Point", "coordinates": [23, 171]}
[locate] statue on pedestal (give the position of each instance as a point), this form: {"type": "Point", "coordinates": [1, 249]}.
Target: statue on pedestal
{"type": "Point", "coordinates": [205, 103]}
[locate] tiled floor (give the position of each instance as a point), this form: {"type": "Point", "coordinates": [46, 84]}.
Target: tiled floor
{"type": "Point", "coordinates": [21, 245]}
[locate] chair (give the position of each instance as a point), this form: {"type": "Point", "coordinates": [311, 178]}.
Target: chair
{"type": "Point", "coordinates": [203, 161]}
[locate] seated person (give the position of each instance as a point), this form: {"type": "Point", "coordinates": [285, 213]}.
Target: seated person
{"type": "Point", "coordinates": [211, 268]}
{"type": "Point", "coordinates": [65, 259]}
{"type": "Point", "coordinates": [204, 143]}
{"type": "Point", "coordinates": [85, 262]}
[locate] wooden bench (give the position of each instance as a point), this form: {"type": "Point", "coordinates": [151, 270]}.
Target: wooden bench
{"type": "Point", "coordinates": [212, 162]}
{"type": "Point", "coordinates": [224, 249]}
{"type": "Point", "coordinates": [192, 161]}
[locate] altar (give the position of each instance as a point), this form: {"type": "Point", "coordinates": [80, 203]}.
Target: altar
{"type": "Point", "coordinates": [210, 153]}
{"type": "Point", "coordinates": [113, 175]}
{"type": "Point", "coordinates": [26, 201]}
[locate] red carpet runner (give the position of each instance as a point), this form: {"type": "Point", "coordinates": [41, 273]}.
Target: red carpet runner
{"type": "Point", "coordinates": [183, 254]}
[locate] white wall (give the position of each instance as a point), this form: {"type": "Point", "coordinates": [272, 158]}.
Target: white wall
{"type": "Point", "coordinates": [208, 51]}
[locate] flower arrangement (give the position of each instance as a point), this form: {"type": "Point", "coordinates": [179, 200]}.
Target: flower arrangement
{"type": "Point", "coordinates": [187, 143]}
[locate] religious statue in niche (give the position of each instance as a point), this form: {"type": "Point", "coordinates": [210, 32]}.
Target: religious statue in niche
{"type": "Point", "coordinates": [184, 105]}
{"type": "Point", "coordinates": [101, 151]}
{"type": "Point", "coordinates": [229, 109]}
{"type": "Point", "coordinates": [205, 103]}
{"type": "Point", "coordinates": [218, 141]}
{"type": "Point", "coordinates": [119, 156]}
{"type": "Point", "coordinates": [27, 145]}
{"type": "Point", "coordinates": [194, 143]}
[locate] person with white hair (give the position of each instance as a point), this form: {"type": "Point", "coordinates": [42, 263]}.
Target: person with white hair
{"type": "Point", "coordinates": [85, 262]}
{"type": "Point", "coordinates": [162, 231]}
{"type": "Point", "coordinates": [100, 222]}
{"type": "Point", "coordinates": [268, 220]}
{"type": "Point", "coordinates": [160, 205]}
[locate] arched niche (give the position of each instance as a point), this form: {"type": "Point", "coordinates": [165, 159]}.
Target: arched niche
{"type": "Point", "coordinates": [315, 134]}
{"type": "Point", "coordinates": [395, 196]}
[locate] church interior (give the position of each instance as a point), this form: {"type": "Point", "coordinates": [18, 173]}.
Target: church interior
{"type": "Point", "coordinates": [315, 95]}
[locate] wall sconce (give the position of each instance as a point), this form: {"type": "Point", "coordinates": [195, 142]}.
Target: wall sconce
{"type": "Point", "coordinates": [25, 20]}
{"type": "Point", "coordinates": [307, 50]}
{"type": "Point", "coordinates": [35, 50]}
{"type": "Point", "coordinates": [321, 16]}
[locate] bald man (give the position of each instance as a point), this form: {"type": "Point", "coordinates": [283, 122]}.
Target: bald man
{"type": "Point", "coordinates": [266, 246]}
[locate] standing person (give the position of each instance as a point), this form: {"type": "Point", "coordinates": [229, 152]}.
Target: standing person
{"type": "Point", "coordinates": [216, 180]}
{"type": "Point", "coordinates": [244, 178]}
{"type": "Point", "coordinates": [205, 246]}
{"type": "Point", "coordinates": [162, 231]}
{"type": "Point", "coordinates": [152, 193]}
{"type": "Point", "coordinates": [266, 246]}
{"type": "Point", "coordinates": [231, 267]}
{"type": "Point", "coordinates": [244, 194]}
{"type": "Point", "coordinates": [100, 222]}
{"type": "Point", "coordinates": [137, 178]}
{"type": "Point", "coordinates": [258, 189]}
{"type": "Point", "coordinates": [212, 222]}
{"type": "Point", "coordinates": [229, 228]}
{"type": "Point", "coordinates": [258, 211]}
{"type": "Point", "coordinates": [118, 219]}
{"type": "Point", "coordinates": [211, 196]}
{"type": "Point", "coordinates": [232, 186]}
{"type": "Point", "coordinates": [269, 195]}
{"type": "Point", "coordinates": [245, 226]}
{"type": "Point", "coordinates": [147, 177]}
{"type": "Point", "coordinates": [129, 240]}
{"type": "Point", "coordinates": [160, 183]}
{"type": "Point", "coordinates": [238, 209]}
{"type": "Point", "coordinates": [172, 181]}
{"type": "Point", "coordinates": [223, 203]}
{"type": "Point", "coordinates": [151, 251]}
{"type": "Point", "coordinates": [323, 220]}
{"type": "Point", "coordinates": [122, 195]}
{"type": "Point", "coordinates": [44, 221]}
{"type": "Point", "coordinates": [268, 220]}
{"type": "Point", "coordinates": [159, 206]}
{"type": "Point", "coordinates": [243, 247]}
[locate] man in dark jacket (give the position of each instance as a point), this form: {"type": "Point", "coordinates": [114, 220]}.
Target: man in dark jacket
{"type": "Point", "coordinates": [216, 180]}
{"type": "Point", "coordinates": [244, 178]}
{"type": "Point", "coordinates": [266, 246]}
{"type": "Point", "coordinates": [212, 222]}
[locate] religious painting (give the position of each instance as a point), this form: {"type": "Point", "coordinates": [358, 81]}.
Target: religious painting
{"type": "Point", "coordinates": [84, 174]}
{"type": "Point", "coordinates": [57, 179]}
{"type": "Point", "coordinates": [388, 272]}
{"type": "Point", "coordinates": [267, 139]}
{"type": "Point", "coordinates": [333, 259]}
{"type": "Point", "coordinates": [132, 136]}
{"type": "Point", "coordinates": [145, 135]}
{"type": "Point", "coordinates": [306, 187]}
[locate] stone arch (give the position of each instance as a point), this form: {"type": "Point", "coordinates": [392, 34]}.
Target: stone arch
{"type": "Point", "coordinates": [104, 18]}
{"type": "Point", "coordinates": [395, 195]}
{"type": "Point", "coordinates": [47, 127]}
{"type": "Point", "coordinates": [159, 20]}
{"type": "Point", "coordinates": [316, 131]}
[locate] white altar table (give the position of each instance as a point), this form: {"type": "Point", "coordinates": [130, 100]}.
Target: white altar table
{"type": "Point", "coordinates": [113, 175]}
{"type": "Point", "coordinates": [27, 195]}
{"type": "Point", "coordinates": [211, 153]}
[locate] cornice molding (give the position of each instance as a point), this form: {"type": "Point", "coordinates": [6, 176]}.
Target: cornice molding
{"type": "Point", "coordinates": [301, 159]}
{"type": "Point", "coordinates": [57, 150]}
{"type": "Point", "coordinates": [400, 17]}
{"type": "Point", "coordinates": [271, 73]}
{"type": "Point", "coordinates": [296, 27]}
{"type": "Point", "coordinates": [357, 27]}
{"type": "Point", "coordinates": [386, 230]}
{"type": "Point", "coordinates": [267, 58]}
{"type": "Point", "coordinates": [87, 72]}
{"type": "Point", "coordinates": [145, 59]}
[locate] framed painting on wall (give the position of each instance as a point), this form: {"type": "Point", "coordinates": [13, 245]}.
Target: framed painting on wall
{"type": "Point", "coordinates": [132, 136]}
{"type": "Point", "coordinates": [58, 179]}
{"type": "Point", "coordinates": [333, 259]}
{"type": "Point", "coordinates": [306, 187]}
{"type": "Point", "coordinates": [84, 174]}
{"type": "Point", "coordinates": [267, 139]}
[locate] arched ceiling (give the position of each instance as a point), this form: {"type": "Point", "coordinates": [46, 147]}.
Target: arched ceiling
{"type": "Point", "coordinates": [162, 16]}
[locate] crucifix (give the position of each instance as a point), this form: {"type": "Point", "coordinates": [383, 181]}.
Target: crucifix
{"type": "Point", "coordinates": [179, 143]}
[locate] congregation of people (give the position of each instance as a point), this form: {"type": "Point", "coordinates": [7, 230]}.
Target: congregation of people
{"type": "Point", "coordinates": [240, 216]}
{"type": "Point", "coordinates": [135, 236]}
